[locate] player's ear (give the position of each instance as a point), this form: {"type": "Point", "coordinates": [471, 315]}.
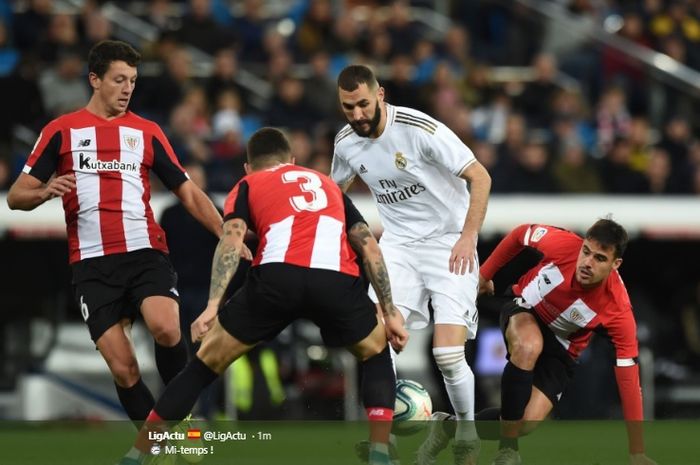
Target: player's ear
{"type": "Point", "coordinates": [616, 263]}
{"type": "Point", "coordinates": [94, 80]}
{"type": "Point", "coordinates": [247, 168]}
{"type": "Point", "coordinates": [380, 94]}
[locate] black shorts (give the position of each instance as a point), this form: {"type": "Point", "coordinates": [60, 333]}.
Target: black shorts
{"type": "Point", "coordinates": [112, 287]}
{"type": "Point", "coordinates": [276, 294]}
{"type": "Point", "coordinates": [554, 368]}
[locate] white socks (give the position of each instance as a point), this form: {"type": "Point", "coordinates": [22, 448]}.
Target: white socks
{"type": "Point", "coordinates": [459, 382]}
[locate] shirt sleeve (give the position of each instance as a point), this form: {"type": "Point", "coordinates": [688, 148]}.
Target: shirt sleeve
{"type": "Point", "coordinates": [446, 149]}
{"type": "Point", "coordinates": [352, 214]}
{"type": "Point", "coordinates": [236, 204]}
{"type": "Point", "coordinates": [43, 161]}
{"type": "Point", "coordinates": [165, 163]}
{"type": "Point", "coordinates": [341, 171]}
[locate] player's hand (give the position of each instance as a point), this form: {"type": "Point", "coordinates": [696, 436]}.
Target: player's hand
{"type": "Point", "coordinates": [463, 256]}
{"type": "Point", "coordinates": [396, 334]}
{"type": "Point", "coordinates": [486, 287]}
{"type": "Point", "coordinates": [641, 459]}
{"type": "Point", "coordinates": [58, 186]}
{"type": "Point", "coordinates": [202, 324]}
{"type": "Point", "coordinates": [246, 254]}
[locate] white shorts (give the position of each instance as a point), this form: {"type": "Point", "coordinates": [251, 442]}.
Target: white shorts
{"type": "Point", "coordinates": [420, 272]}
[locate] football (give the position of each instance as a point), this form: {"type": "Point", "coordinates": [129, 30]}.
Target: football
{"type": "Point", "coordinates": [412, 409]}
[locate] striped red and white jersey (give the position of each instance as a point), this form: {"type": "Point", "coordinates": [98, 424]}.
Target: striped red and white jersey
{"type": "Point", "coordinates": [569, 310]}
{"type": "Point", "coordinates": [300, 216]}
{"type": "Point", "coordinates": [109, 211]}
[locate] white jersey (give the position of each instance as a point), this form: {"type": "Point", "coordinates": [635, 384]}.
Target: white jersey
{"type": "Point", "coordinates": [413, 172]}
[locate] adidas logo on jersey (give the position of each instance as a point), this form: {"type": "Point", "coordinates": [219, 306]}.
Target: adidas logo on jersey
{"type": "Point", "coordinates": [363, 170]}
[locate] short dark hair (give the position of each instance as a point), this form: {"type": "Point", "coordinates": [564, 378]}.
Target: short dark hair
{"type": "Point", "coordinates": [608, 233]}
{"type": "Point", "coordinates": [103, 53]}
{"type": "Point", "coordinates": [352, 76]}
{"type": "Point", "coordinates": [268, 144]}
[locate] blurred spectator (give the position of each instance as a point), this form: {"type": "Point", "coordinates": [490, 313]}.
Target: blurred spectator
{"type": "Point", "coordinates": [188, 146]}
{"type": "Point", "coordinates": [9, 56]}
{"type": "Point", "coordinates": [574, 171]}
{"type": "Point", "coordinates": [399, 88]}
{"type": "Point", "coordinates": [191, 249]}
{"type": "Point", "coordinates": [31, 26]}
{"type": "Point", "coordinates": [536, 99]}
{"type": "Point", "coordinates": [620, 68]}
{"type": "Point", "coordinates": [63, 86]}
{"type": "Point", "coordinates": [403, 31]}
{"type": "Point", "coordinates": [612, 117]}
{"type": "Point", "coordinates": [157, 96]}
{"type": "Point", "coordinates": [425, 62]}
{"type": "Point", "coordinates": [320, 88]}
{"type": "Point", "coordinates": [302, 147]}
{"type": "Point", "coordinates": [658, 173]}
{"type": "Point", "coordinates": [200, 29]}
{"type": "Point", "coordinates": [490, 121]}
{"type": "Point", "coordinates": [5, 173]}
{"type": "Point", "coordinates": [618, 177]}
{"type": "Point", "coordinates": [676, 141]}
{"type": "Point", "coordinates": [316, 29]}
{"type": "Point", "coordinates": [250, 29]}
{"type": "Point", "coordinates": [530, 172]}
{"type": "Point", "coordinates": [97, 28]}
{"type": "Point", "coordinates": [22, 99]}
{"type": "Point", "coordinates": [288, 107]}
{"type": "Point", "coordinates": [346, 35]}
{"type": "Point", "coordinates": [160, 15]}
{"type": "Point", "coordinates": [223, 78]}
{"type": "Point", "coordinates": [456, 51]}
{"type": "Point", "coordinates": [227, 139]}
{"type": "Point", "coordinates": [62, 34]}
{"type": "Point", "coordinates": [640, 140]}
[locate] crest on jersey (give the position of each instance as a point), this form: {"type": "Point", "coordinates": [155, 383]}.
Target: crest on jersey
{"type": "Point", "coordinates": [131, 141]}
{"type": "Point", "coordinates": [400, 161]}
{"type": "Point", "coordinates": [538, 234]}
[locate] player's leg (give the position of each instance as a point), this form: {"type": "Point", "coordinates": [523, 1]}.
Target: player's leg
{"type": "Point", "coordinates": [118, 352]}
{"type": "Point", "coordinates": [153, 291]}
{"type": "Point", "coordinates": [162, 319]}
{"type": "Point", "coordinates": [524, 341]}
{"type": "Point", "coordinates": [339, 305]}
{"type": "Point", "coordinates": [218, 350]}
{"type": "Point", "coordinates": [98, 285]}
{"type": "Point", "coordinates": [377, 390]}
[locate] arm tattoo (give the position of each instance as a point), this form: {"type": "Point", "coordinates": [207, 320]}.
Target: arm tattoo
{"type": "Point", "coordinates": [359, 236]}
{"type": "Point", "coordinates": [226, 259]}
{"type": "Point", "coordinates": [379, 277]}
{"type": "Point", "coordinates": [363, 242]}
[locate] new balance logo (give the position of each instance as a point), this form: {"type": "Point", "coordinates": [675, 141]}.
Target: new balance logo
{"type": "Point", "coordinates": [363, 170]}
{"type": "Point", "coordinates": [84, 142]}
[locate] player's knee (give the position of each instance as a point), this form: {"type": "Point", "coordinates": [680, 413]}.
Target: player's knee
{"type": "Point", "coordinates": [125, 371]}
{"type": "Point", "coordinates": [452, 363]}
{"type": "Point", "coordinates": [525, 350]}
{"type": "Point", "coordinates": [166, 333]}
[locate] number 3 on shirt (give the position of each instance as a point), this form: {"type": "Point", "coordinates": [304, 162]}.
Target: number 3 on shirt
{"type": "Point", "coordinates": [312, 184]}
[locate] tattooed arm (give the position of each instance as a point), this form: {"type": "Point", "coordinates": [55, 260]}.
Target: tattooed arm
{"type": "Point", "coordinates": [366, 246]}
{"type": "Point", "coordinates": [224, 265]}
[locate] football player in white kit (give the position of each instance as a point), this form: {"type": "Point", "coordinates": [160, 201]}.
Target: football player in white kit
{"type": "Point", "coordinates": [431, 194]}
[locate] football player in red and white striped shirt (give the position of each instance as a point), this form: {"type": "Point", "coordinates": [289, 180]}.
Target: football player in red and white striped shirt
{"type": "Point", "coordinates": [98, 160]}
{"type": "Point", "coordinates": [305, 268]}
{"type": "Point", "coordinates": [549, 319]}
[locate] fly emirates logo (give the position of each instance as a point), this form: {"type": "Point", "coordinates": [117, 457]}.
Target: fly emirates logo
{"type": "Point", "coordinates": [394, 193]}
{"type": "Point", "coordinates": [89, 164]}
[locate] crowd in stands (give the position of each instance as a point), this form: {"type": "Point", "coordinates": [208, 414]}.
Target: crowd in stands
{"type": "Point", "coordinates": [535, 135]}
